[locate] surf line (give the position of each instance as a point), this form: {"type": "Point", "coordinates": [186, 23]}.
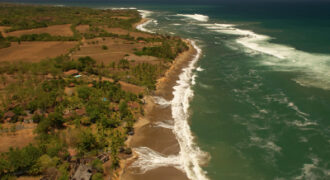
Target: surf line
{"type": "Point", "coordinates": [190, 157]}
{"type": "Point", "coordinates": [145, 14]}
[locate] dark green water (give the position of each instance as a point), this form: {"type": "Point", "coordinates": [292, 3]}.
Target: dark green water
{"type": "Point", "coordinates": [261, 109]}
{"type": "Point", "coordinates": [261, 105]}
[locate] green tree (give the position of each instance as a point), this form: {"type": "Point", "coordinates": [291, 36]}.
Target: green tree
{"type": "Point", "coordinates": [97, 165]}
{"type": "Point", "coordinates": [97, 176]}
{"type": "Point", "coordinates": [87, 142]}
{"type": "Point", "coordinates": [124, 64]}
{"type": "Point", "coordinates": [84, 92]}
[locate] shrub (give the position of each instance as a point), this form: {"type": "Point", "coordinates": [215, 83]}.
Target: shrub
{"type": "Point", "coordinates": [124, 64]}
{"type": "Point", "coordinates": [97, 165]}
{"type": "Point", "coordinates": [104, 47]}
{"type": "Point", "coordinates": [84, 92]}
{"type": "Point", "coordinates": [97, 176]}
{"type": "Point", "coordinates": [19, 160]}
{"type": "Point", "coordinates": [87, 142]}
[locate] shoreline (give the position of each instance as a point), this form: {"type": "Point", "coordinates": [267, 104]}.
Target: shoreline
{"type": "Point", "coordinates": [148, 131]}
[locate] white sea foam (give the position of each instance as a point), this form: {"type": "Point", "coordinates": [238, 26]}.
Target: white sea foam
{"type": "Point", "coordinates": [313, 171]}
{"type": "Point", "coordinates": [161, 101]}
{"type": "Point", "coordinates": [266, 144]}
{"type": "Point", "coordinates": [176, 24]}
{"type": "Point", "coordinates": [121, 8]}
{"type": "Point", "coordinates": [150, 159]}
{"type": "Point", "coordinates": [303, 124]}
{"type": "Point", "coordinates": [165, 124]}
{"type": "Point", "coordinates": [314, 67]}
{"type": "Point", "coordinates": [197, 17]}
{"type": "Point", "coordinates": [145, 14]}
{"type": "Point", "coordinates": [190, 157]}
{"type": "Point", "coordinates": [141, 27]}
{"type": "Point", "coordinates": [199, 69]}
{"type": "Point", "coordinates": [193, 79]}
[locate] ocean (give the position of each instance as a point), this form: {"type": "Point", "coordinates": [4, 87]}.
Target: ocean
{"type": "Point", "coordinates": [261, 104]}
{"type": "Point", "coordinates": [255, 102]}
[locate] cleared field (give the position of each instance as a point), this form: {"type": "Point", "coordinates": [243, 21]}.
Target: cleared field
{"type": "Point", "coordinates": [116, 49]}
{"type": "Point", "coordinates": [122, 17]}
{"type": "Point", "coordinates": [138, 59]}
{"type": "Point", "coordinates": [56, 30]}
{"type": "Point", "coordinates": [121, 31]}
{"type": "Point", "coordinates": [82, 28]}
{"type": "Point", "coordinates": [29, 178]}
{"type": "Point", "coordinates": [19, 138]}
{"type": "Point", "coordinates": [3, 28]}
{"type": "Point", "coordinates": [34, 51]}
{"type": "Point", "coordinates": [127, 86]}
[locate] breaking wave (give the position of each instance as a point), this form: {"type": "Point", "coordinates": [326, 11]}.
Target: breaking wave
{"type": "Point", "coordinates": [314, 67]}
{"type": "Point", "coordinates": [190, 157]}
{"type": "Point", "coordinates": [197, 17]}
{"type": "Point", "coordinates": [190, 154]}
{"type": "Point", "coordinates": [145, 14]}
{"type": "Point", "coordinates": [122, 8]}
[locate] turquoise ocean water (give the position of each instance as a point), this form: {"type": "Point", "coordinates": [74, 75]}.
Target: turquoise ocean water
{"type": "Point", "coordinates": [261, 105]}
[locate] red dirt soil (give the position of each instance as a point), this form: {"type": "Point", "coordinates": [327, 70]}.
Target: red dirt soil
{"type": "Point", "coordinates": [20, 138]}
{"type": "Point", "coordinates": [35, 51]}
{"type": "Point", "coordinates": [56, 30]}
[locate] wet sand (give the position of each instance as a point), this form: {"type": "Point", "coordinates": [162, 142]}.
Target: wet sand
{"type": "Point", "coordinates": [159, 139]}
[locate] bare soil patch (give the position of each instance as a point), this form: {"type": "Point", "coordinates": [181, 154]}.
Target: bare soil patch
{"type": "Point", "coordinates": [122, 17]}
{"type": "Point", "coordinates": [82, 28]}
{"type": "Point", "coordinates": [29, 177]}
{"type": "Point", "coordinates": [21, 137]}
{"type": "Point", "coordinates": [134, 59]}
{"type": "Point", "coordinates": [34, 51]}
{"type": "Point", "coordinates": [131, 33]}
{"type": "Point", "coordinates": [127, 86]}
{"type": "Point", "coordinates": [3, 29]}
{"type": "Point", "coordinates": [116, 49]}
{"type": "Point", "coordinates": [56, 30]}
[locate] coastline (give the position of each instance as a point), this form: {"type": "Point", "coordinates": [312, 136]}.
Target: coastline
{"type": "Point", "coordinates": [148, 133]}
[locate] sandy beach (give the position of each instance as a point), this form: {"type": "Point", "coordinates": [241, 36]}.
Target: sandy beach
{"type": "Point", "coordinates": [148, 134]}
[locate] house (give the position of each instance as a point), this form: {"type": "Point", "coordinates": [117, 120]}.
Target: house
{"type": "Point", "coordinates": [71, 72]}
{"type": "Point", "coordinates": [8, 116]}
{"type": "Point", "coordinates": [133, 105]}
{"type": "Point", "coordinates": [81, 112]}
{"type": "Point", "coordinates": [83, 172]}
{"type": "Point", "coordinates": [103, 157]}
{"type": "Point", "coordinates": [72, 85]}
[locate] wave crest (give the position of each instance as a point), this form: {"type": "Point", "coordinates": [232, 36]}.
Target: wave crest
{"type": "Point", "coordinates": [190, 157]}
{"type": "Point", "coordinates": [197, 17]}
{"type": "Point", "coordinates": [314, 67]}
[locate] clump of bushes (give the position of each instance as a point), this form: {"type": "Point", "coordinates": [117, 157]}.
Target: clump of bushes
{"type": "Point", "coordinates": [104, 47]}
